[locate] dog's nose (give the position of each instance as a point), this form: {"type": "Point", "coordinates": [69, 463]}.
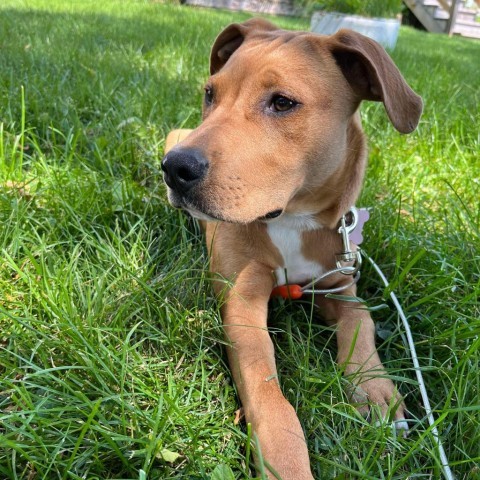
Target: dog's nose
{"type": "Point", "coordinates": [183, 169]}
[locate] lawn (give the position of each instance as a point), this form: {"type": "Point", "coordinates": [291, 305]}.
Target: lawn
{"type": "Point", "coordinates": [111, 353]}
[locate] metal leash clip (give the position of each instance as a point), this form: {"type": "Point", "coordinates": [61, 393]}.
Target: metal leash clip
{"type": "Point", "coordinates": [347, 224]}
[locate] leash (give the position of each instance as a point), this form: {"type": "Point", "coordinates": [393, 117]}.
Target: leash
{"type": "Point", "coordinates": [447, 472]}
{"type": "Point", "coordinates": [351, 225]}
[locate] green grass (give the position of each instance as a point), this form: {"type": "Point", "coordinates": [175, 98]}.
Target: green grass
{"type": "Point", "coordinates": [111, 352]}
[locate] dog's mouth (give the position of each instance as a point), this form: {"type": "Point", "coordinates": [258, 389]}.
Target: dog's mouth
{"type": "Point", "coordinates": [192, 208]}
{"type": "Point", "coordinates": [198, 208]}
{"type": "Point", "coordinates": [271, 215]}
{"type": "Point", "coordinates": [202, 213]}
{"type": "Point", "coordinates": [198, 214]}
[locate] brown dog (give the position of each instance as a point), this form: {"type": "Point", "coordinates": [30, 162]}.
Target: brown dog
{"type": "Point", "coordinates": [276, 164]}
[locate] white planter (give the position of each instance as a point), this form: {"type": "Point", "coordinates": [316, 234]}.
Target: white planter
{"type": "Point", "coordinates": [272, 7]}
{"type": "Point", "coordinates": [383, 30]}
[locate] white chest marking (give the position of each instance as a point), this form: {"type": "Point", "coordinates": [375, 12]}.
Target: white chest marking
{"type": "Point", "coordinates": [296, 268]}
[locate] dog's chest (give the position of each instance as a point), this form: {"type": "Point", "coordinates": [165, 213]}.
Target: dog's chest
{"type": "Point", "coordinates": [296, 267]}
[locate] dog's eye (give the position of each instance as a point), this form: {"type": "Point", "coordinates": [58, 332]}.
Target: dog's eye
{"type": "Point", "coordinates": [279, 103]}
{"type": "Point", "coordinates": [208, 96]}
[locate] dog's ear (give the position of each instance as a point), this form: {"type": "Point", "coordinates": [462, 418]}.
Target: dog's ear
{"type": "Point", "coordinates": [232, 37]}
{"type": "Point", "coordinates": [373, 76]}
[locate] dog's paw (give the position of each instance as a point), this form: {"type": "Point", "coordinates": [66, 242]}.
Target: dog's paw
{"type": "Point", "coordinates": [377, 398]}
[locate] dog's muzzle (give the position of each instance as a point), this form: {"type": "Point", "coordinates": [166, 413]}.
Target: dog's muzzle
{"type": "Point", "coordinates": [183, 169]}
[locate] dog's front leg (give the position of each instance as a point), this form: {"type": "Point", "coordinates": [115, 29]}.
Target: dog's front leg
{"type": "Point", "coordinates": [358, 354]}
{"type": "Point", "coordinates": [251, 358]}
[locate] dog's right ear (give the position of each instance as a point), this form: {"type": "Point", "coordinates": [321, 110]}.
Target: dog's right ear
{"type": "Point", "coordinates": [231, 38]}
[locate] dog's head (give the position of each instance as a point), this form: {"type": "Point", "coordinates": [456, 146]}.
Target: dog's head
{"type": "Point", "coordinates": [280, 132]}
